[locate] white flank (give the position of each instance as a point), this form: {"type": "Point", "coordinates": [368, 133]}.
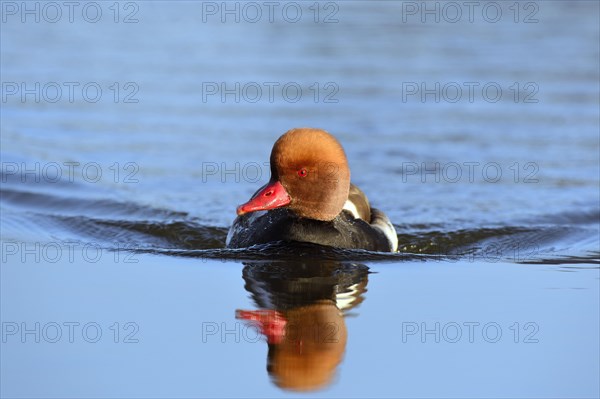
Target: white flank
{"type": "Point", "coordinates": [350, 207]}
{"type": "Point", "coordinates": [381, 222]}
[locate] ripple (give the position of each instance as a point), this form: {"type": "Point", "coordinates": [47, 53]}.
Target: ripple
{"type": "Point", "coordinates": [569, 237]}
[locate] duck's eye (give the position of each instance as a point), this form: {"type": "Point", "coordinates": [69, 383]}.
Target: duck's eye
{"type": "Point", "coordinates": [302, 172]}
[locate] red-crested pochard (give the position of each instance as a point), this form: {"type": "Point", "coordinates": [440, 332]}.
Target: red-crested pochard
{"type": "Point", "coordinates": [309, 198]}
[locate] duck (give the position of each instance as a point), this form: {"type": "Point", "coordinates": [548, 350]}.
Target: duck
{"type": "Point", "coordinates": [310, 199]}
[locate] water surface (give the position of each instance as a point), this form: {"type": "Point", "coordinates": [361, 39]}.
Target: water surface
{"type": "Point", "coordinates": [115, 212]}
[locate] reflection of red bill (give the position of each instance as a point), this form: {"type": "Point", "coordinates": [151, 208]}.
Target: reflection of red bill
{"type": "Point", "coordinates": [271, 323]}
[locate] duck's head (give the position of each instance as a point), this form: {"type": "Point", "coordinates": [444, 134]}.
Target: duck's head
{"type": "Point", "coordinates": [309, 175]}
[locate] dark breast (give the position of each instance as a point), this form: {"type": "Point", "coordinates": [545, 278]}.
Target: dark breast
{"type": "Point", "coordinates": [284, 225]}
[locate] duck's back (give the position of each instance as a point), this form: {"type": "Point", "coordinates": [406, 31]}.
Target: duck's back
{"type": "Point", "coordinates": [281, 224]}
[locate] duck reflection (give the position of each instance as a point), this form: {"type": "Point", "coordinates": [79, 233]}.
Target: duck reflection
{"type": "Point", "coordinates": [302, 308]}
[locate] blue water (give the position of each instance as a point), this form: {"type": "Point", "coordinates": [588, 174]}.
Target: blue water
{"type": "Point", "coordinates": [115, 204]}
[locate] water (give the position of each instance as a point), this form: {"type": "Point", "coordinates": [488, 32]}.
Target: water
{"type": "Point", "coordinates": [115, 212]}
